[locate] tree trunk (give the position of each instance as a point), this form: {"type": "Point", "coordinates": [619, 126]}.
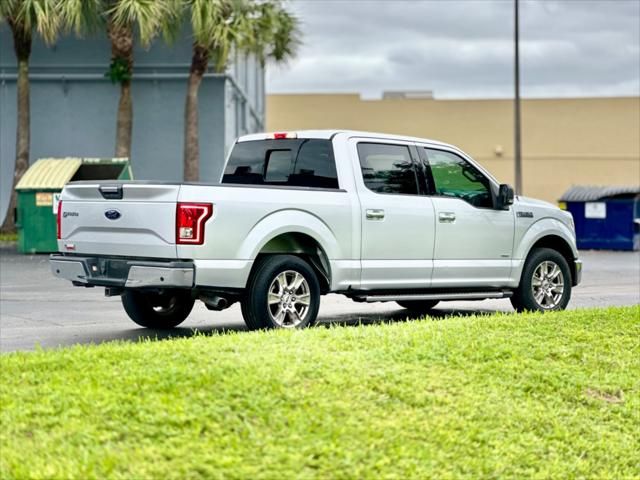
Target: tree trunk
{"type": "Point", "coordinates": [199, 61]}
{"type": "Point", "coordinates": [22, 46]}
{"type": "Point", "coordinates": [124, 123]}
{"type": "Point", "coordinates": [122, 51]}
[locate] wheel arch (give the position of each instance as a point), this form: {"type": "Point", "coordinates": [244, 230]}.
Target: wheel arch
{"type": "Point", "coordinates": [560, 245]}
{"type": "Point", "coordinates": [547, 232]}
{"type": "Point", "coordinates": [294, 232]}
{"type": "Point", "coordinates": [304, 246]}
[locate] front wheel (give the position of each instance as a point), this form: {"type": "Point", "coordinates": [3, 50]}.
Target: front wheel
{"type": "Point", "coordinates": [158, 310]}
{"type": "Point", "coordinates": [283, 292]}
{"type": "Point", "coordinates": [545, 284]}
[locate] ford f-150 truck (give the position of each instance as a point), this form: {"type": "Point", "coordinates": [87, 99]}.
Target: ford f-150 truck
{"type": "Point", "coordinates": [297, 215]}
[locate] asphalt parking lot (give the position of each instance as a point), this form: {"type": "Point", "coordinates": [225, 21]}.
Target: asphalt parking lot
{"type": "Point", "coordinates": [39, 310]}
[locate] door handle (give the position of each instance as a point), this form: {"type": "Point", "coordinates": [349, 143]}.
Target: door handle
{"type": "Point", "coordinates": [375, 214]}
{"type": "Point", "coordinates": [447, 217]}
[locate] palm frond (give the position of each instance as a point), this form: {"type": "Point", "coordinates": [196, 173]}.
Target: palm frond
{"type": "Point", "coordinates": [82, 16]}
{"type": "Point", "coordinates": [286, 36]}
{"type": "Point", "coordinates": [43, 16]}
{"type": "Point", "coordinates": [173, 20]}
{"type": "Point", "coordinates": [215, 27]}
{"type": "Point", "coordinates": [263, 28]}
{"type": "Point", "coordinates": [146, 15]}
{"type": "Point", "coordinates": [8, 9]}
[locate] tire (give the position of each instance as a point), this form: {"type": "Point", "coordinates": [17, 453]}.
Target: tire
{"type": "Point", "coordinates": [418, 306]}
{"type": "Point", "coordinates": [545, 284]}
{"type": "Point", "coordinates": [154, 310]}
{"type": "Point", "coordinates": [291, 286]}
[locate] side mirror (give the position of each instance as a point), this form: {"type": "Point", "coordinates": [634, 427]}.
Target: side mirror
{"type": "Point", "coordinates": [505, 197]}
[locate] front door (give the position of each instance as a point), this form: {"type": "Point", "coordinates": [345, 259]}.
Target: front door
{"type": "Point", "coordinates": [397, 219]}
{"type": "Point", "coordinates": [474, 241]}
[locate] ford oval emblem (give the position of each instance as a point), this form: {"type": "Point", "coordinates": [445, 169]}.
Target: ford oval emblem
{"type": "Point", "coordinates": [112, 214]}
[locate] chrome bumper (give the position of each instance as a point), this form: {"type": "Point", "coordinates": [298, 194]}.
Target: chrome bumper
{"type": "Point", "coordinates": [118, 272]}
{"type": "Point", "coordinates": [577, 278]}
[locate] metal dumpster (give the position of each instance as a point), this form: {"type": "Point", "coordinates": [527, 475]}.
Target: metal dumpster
{"type": "Point", "coordinates": [606, 218]}
{"type": "Point", "coordinates": [38, 191]}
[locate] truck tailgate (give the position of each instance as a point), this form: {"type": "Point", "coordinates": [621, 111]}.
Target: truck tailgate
{"type": "Point", "coordinates": [119, 218]}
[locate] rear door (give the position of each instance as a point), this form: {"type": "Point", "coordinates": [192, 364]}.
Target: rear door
{"type": "Point", "coordinates": [474, 241]}
{"type": "Point", "coordinates": [119, 218]}
{"type": "Point", "coordinates": [397, 219]}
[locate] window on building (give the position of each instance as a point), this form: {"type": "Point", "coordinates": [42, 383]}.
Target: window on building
{"type": "Point", "coordinates": [387, 168]}
{"type": "Point", "coordinates": [455, 177]}
{"type": "Point", "coordinates": [287, 162]}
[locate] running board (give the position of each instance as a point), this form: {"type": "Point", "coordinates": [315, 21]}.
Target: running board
{"type": "Point", "coordinates": [433, 296]}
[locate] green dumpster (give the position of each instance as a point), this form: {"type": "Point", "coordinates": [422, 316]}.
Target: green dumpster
{"type": "Point", "coordinates": [39, 188]}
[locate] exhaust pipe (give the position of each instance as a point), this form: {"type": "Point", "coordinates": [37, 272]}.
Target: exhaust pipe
{"type": "Point", "coordinates": [215, 302]}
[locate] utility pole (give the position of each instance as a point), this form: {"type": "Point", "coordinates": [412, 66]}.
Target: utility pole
{"type": "Point", "coordinates": [517, 143]}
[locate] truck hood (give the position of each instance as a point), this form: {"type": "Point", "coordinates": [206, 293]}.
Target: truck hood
{"type": "Point", "coordinates": [534, 202]}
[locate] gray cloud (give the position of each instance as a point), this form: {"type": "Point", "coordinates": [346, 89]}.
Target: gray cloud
{"type": "Point", "coordinates": [464, 48]}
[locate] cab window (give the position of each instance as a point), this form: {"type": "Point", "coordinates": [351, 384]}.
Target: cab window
{"type": "Point", "coordinates": [453, 176]}
{"type": "Point", "coordinates": [278, 166]}
{"type": "Point", "coordinates": [303, 162]}
{"type": "Point", "coordinates": [387, 168]}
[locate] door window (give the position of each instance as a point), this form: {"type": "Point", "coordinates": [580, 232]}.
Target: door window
{"type": "Point", "coordinates": [455, 177]}
{"type": "Point", "coordinates": [387, 168]}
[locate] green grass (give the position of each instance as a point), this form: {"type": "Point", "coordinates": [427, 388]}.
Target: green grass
{"type": "Point", "coordinates": [8, 237]}
{"type": "Point", "coordinates": [546, 396]}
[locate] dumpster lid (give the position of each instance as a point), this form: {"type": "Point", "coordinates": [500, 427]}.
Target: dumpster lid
{"type": "Point", "coordinates": [55, 173]}
{"type": "Point", "coordinates": [592, 193]}
{"type": "Point", "coordinates": [49, 173]}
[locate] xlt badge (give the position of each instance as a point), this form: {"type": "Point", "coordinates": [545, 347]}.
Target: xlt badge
{"type": "Point", "coordinates": [524, 214]}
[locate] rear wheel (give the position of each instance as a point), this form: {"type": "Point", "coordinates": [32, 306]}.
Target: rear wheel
{"type": "Point", "coordinates": [545, 284]}
{"type": "Point", "coordinates": [283, 292]}
{"type": "Point", "coordinates": [158, 310]}
{"type": "Point", "coordinates": [418, 306]}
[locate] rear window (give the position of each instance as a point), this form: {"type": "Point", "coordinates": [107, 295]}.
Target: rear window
{"type": "Point", "coordinates": [291, 162]}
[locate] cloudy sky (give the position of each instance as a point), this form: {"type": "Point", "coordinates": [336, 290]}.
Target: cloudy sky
{"type": "Point", "coordinates": [464, 48]}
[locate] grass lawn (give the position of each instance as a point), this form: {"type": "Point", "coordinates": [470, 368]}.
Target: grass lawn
{"type": "Point", "coordinates": [546, 396]}
{"type": "Point", "coordinates": [8, 237]}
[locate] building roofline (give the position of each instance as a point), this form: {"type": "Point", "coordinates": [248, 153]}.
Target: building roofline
{"type": "Point", "coordinates": [452, 99]}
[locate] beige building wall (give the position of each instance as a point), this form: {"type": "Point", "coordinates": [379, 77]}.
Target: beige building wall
{"type": "Point", "coordinates": [583, 141]}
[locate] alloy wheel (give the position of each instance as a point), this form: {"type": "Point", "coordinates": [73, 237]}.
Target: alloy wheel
{"type": "Point", "coordinates": [547, 285]}
{"type": "Point", "coordinates": [288, 299]}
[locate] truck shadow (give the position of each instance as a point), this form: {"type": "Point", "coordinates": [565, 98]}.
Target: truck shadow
{"type": "Point", "coordinates": [401, 315]}
{"type": "Point", "coordinates": [326, 321]}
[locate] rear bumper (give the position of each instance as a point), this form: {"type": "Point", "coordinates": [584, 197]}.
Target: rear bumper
{"type": "Point", "coordinates": [120, 272]}
{"type": "Point", "coordinates": [577, 270]}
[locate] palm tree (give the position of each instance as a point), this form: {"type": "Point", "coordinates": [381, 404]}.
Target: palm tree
{"type": "Point", "coordinates": [24, 17]}
{"type": "Point", "coordinates": [121, 18]}
{"type": "Point", "coordinates": [220, 26]}
{"type": "Point", "coordinates": [274, 33]}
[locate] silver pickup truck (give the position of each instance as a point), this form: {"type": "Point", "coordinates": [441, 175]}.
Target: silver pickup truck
{"type": "Point", "coordinates": [297, 215]}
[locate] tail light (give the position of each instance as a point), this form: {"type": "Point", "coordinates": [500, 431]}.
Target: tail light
{"type": "Point", "coordinates": [190, 220]}
{"type": "Point", "coordinates": [59, 220]}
